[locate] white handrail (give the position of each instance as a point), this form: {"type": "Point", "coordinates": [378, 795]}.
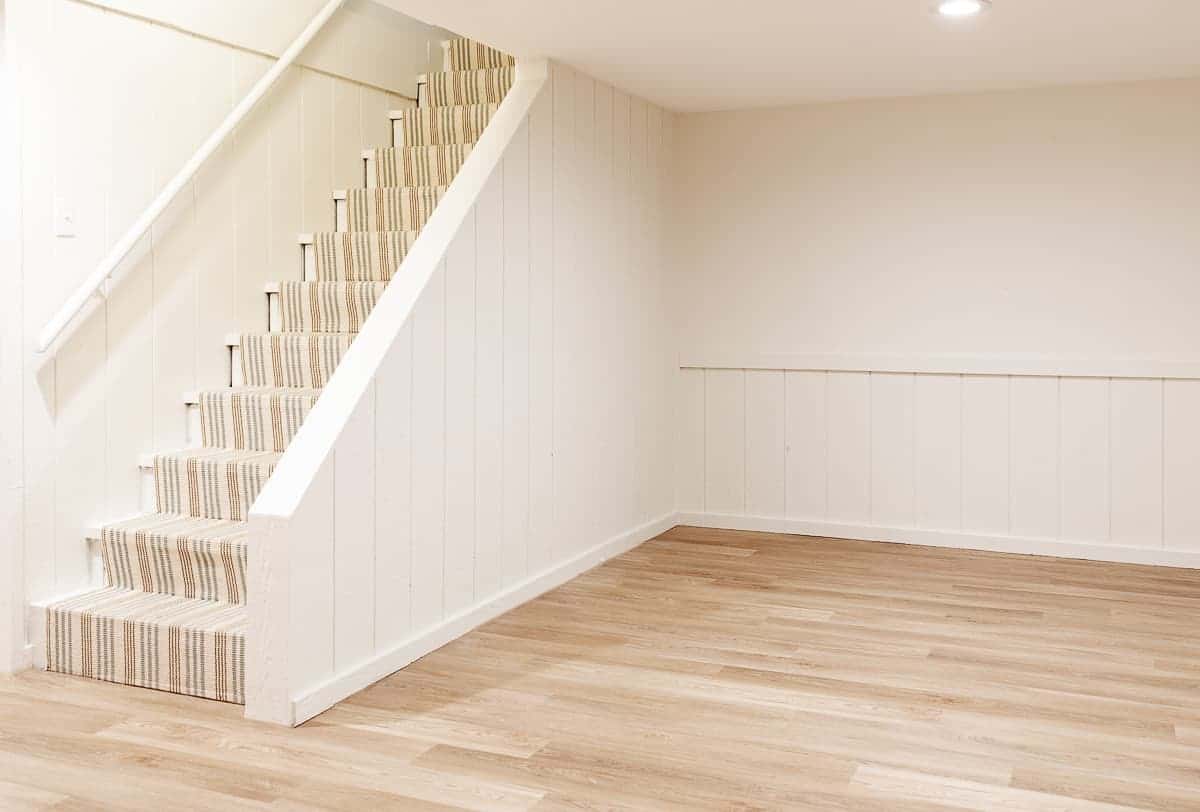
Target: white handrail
{"type": "Point", "coordinates": [95, 281]}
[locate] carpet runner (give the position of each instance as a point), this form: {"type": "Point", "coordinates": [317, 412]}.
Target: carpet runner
{"type": "Point", "coordinates": [172, 613]}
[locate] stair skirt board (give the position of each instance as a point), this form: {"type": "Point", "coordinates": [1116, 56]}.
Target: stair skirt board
{"type": "Point", "coordinates": [172, 613]}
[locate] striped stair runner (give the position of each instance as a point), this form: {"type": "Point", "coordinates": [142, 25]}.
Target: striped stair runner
{"type": "Point", "coordinates": [172, 613]}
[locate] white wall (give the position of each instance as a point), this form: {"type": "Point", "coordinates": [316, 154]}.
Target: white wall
{"type": "Point", "coordinates": [1055, 222]}
{"type": "Point", "coordinates": [502, 422]}
{"type": "Point", "coordinates": [111, 107]}
{"type": "Point", "coordinates": [962, 320]}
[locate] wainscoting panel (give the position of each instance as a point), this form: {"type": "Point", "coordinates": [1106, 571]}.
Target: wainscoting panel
{"type": "Point", "coordinates": [1093, 467]}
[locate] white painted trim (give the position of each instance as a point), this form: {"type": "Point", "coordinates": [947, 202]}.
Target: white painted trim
{"type": "Point", "coordinates": [365, 673]}
{"type": "Point", "coordinates": [958, 364]}
{"type": "Point", "coordinates": [946, 538]}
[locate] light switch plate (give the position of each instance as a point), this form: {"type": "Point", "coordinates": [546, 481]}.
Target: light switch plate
{"type": "Point", "coordinates": [64, 218]}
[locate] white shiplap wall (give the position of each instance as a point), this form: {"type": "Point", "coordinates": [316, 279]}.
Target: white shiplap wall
{"type": "Point", "coordinates": [112, 107]}
{"type": "Point", "coordinates": [510, 430]}
{"type": "Point", "coordinates": [1093, 467]}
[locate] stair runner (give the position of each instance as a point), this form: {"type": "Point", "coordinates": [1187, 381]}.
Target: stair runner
{"type": "Point", "coordinates": [172, 613]}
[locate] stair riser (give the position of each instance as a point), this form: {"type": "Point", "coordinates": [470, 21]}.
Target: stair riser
{"type": "Point", "coordinates": [298, 361]}
{"type": "Point", "coordinates": [440, 125]}
{"type": "Point", "coordinates": [467, 87]}
{"type": "Point", "coordinates": [200, 663]}
{"type": "Point", "coordinates": [414, 166]}
{"type": "Point", "coordinates": [391, 209]}
{"type": "Point", "coordinates": [250, 421]}
{"type": "Point", "coordinates": [356, 256]}
{"type": "Point", "coordinates": [211, 489]}
{"type": "Point", "coordinates": [462, 54]}
{"type": "Point", "coordinates": [213, 570]}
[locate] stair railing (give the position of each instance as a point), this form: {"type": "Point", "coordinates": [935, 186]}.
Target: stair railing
{"type": "Point", "coordinates": [95, 283]}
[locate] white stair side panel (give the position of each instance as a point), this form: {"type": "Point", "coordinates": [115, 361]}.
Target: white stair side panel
{"type": "Point", "coordinates": [308, 259]}
{"type": "Point", "coordinates": [393, 512]}
{"type": "Point", "coordinates": [355, 497]}
{"type": "Point", "coordinates": [516, 327]}
{"type": "Point", "coordinates": [462, 368]}
{"type": "Point", "coordinates": [428, 450]}
{"type": "Point", "coordinates": [489, 387]}
{"type": "Point", "coordinates": [341, 215]}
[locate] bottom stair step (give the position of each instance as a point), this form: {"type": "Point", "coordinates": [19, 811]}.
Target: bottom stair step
{"type": "Point", "coordinates": [149, 640]}
{"type": "Point", "coordinates": [177, 555]}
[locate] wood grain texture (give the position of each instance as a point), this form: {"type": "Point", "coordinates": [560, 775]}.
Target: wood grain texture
{"type": "Point", "coordinates": [705, 669]}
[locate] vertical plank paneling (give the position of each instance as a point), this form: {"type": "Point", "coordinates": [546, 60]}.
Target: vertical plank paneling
{"type": "Point", "coordinates": [625, 282]}
{"type": "Point", "coordinates": [1137, 462]}
{"type": "Point", "coordinates": [892, 462]}
{"type": "Point", "coordinates": [937, 452]}
{"type": "Point", "coordinates": [252, 209]}
{"type": "Point", "coordinates": [516, 409]}
{"type": "Point", "coordinates": [1181, 466]}
{"type": "Point", "coordinates": [689, 439]}
{"type": "Point", "coordinates": [541, 330]}
{"type": "Point", "coordinates": [376, 126]}
{"type": "Point", "coordinates": [1084, 466]}
{"type": "Point", "coordinates": [354, 563]}
{"type": "Point", "coordinates": [848, 468]}
{"type": "Point", "coordinates": [346, 123]}
{"type": "Point", "coordinates": [766, 443]}
{"type": "Point", "coordinates": [393, 503]}
{"type": "Point", "coordinates": [725, 441]}
{"type": "Point", "coordinates": [286, 189]}
{"type": "Point", "coordinates": [1035, 457]}
{"type": "Point", "coordinates": [428, 451]}
{"type": "Point", "coordinates": [806, 451]}
{"type": "Point", "coordinates": [985, 454]}
{"type": "Point", "coordinates": [461, 405]}
{"type": "Point", "coordinates": [489, 387]}
{"type": "Point", "coordinates": [564, 211]}
{"type": "Point", "coordinates": [311, 582]}
{"type": "Point", "coordinates": [316, 168]}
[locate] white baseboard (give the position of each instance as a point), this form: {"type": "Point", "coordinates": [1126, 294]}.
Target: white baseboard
{"type": "Point", "coordinates": [947, 538]}
{"type": "Point", "coordinates": [354, 679]}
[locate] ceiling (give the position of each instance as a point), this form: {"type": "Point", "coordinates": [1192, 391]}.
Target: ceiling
{"type": "Point", "coordinates": [703, 55]}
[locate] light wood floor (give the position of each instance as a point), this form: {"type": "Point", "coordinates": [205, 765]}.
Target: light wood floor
{"type": "Point", "coordinates": [704, 670]}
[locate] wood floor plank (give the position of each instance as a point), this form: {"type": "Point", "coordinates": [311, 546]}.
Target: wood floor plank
{"type": "Point", "coordinates": [706, 669]}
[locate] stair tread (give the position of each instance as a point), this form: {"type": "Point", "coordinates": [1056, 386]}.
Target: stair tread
{"type": "Point", "coordinates": [359, 256]}
{"type": "Point", "coordinates": [220, 455]}
{"type": "Point", "coordinates": [260, 391]}
{"type": "Point", "coordinates": [175, 525]}
{"type": "Point", "coordinates": [174, 611]}
{"type": "Point", "coordinates": [442, 109]}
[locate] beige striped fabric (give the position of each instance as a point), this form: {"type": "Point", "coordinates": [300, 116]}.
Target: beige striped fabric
{"type": "Point", "coordinates": [304, 360]}
{"type": "Point", "coordinates": [360, 256]}
{"type": "Point", "coordinates": [253, 419]}
{"type": "Point", "coordinates": [404, 208]}
{"type": "Point", "coordinates": [465, 54]}
{"type": "Point", "coordinates": [327, 307]}
{"type": "Point", "coordinates": [486, 86]}
{"type": "Point", "coordinates": [151, 640]}
{"type": "Point", "coordinates": [211, 483]}
{"type": "Point", "coordinates": [457, 124]}
{"type": "Point", "coordinates": [426, 165]}
{"type": "Point", "coordinates": [177, 555]}
{"type": "Point", "coordinates": [172, 613]}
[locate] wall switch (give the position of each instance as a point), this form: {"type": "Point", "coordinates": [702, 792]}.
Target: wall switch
{"type": "Point", "coordinates": [64, 218]}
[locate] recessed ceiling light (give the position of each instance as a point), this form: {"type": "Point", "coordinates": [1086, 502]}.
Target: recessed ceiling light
{"type": "Point", "coordinates": [962, 8]}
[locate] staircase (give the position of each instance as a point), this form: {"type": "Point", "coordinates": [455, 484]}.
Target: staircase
{"type": "Point", "coordinates": [172, 612]}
